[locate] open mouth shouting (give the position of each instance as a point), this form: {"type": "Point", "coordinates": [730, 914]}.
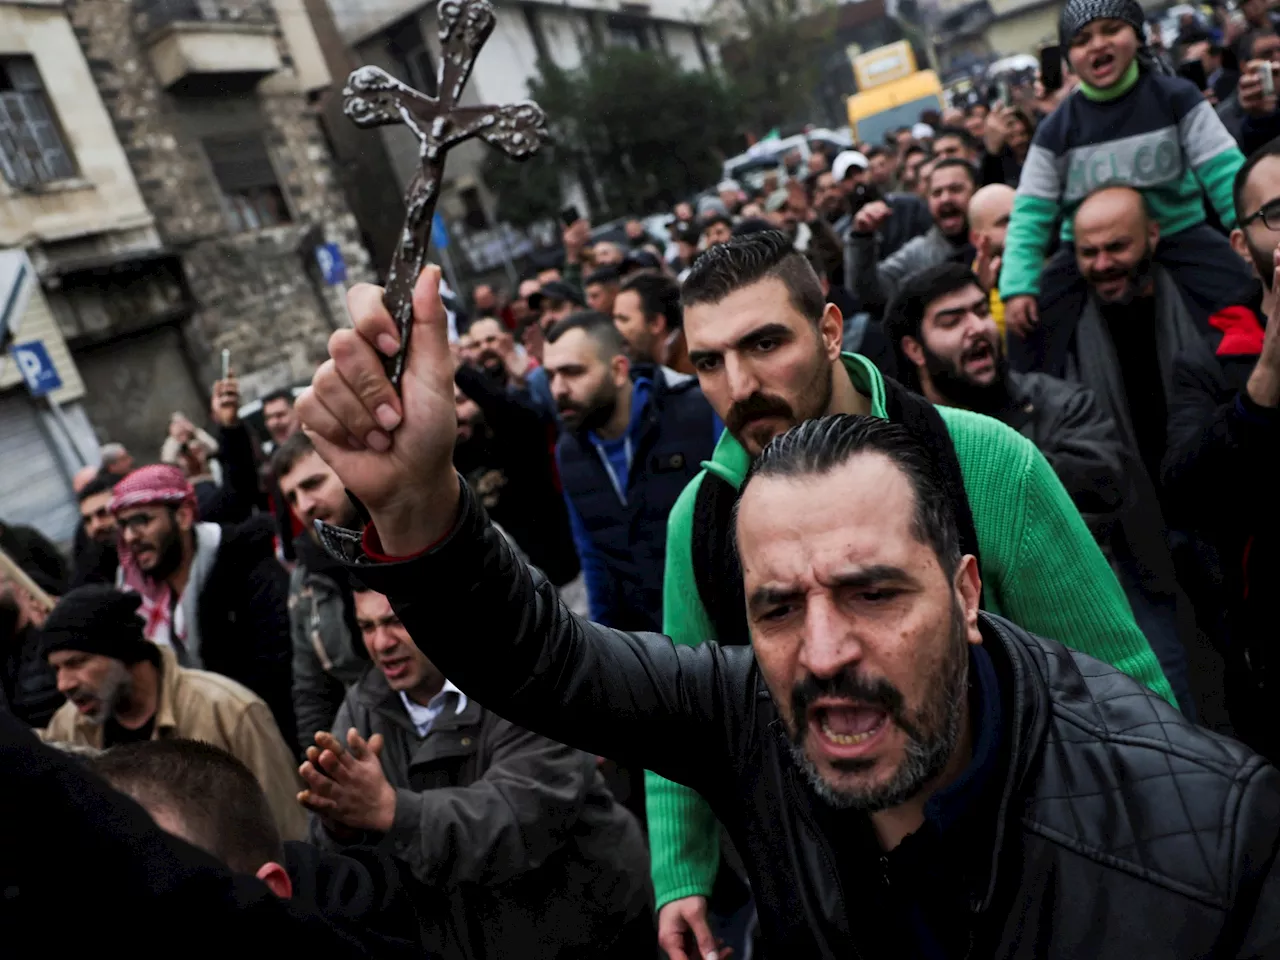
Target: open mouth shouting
{"type": "Point", "coordinates": [1103, 65]}
{"type": "Point", "coordinates": [847, 729]}
{"type": "Point", "coordinates": [979, 359]}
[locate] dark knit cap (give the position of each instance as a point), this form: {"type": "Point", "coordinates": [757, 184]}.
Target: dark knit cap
{"type": "Point", "coordinates": [1077, 13]}
{"type": "Point", "coordinates": [98, 619]}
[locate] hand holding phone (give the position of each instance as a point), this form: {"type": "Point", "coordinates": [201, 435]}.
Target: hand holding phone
{"type": "Point", "coordinates": [1266, 74]}
{"type": "Point", "coordinates": [226, 364]}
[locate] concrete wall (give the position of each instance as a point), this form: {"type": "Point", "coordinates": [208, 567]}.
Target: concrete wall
{"type": "Point", "coordinates": [256, 292]}
{"type": "Point", "coordinates": [309, 65]}
{"type": "Point", "coordinates": [104, 195]}
{"type": "Point", "coordinates": [1023, 31]}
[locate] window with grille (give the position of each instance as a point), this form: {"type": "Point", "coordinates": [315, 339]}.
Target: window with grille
{"type": "Point", "coordinates": [247, 180]}
{"type": "Point", "coordinates": [32, 149]}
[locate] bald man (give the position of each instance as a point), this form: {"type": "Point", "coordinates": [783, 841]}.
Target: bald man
{"type": "Point", "coordinates": [1121, 346]}
{"type": "Point", "coordinates": [989, 213]}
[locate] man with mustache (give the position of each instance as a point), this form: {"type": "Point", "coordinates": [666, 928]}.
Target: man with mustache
{"type": "Point", "coordinates": [903, 773]}
{"type": "Point", "coordinates": [766, 346]}
{"type": "Point", "coordinates": [121, 688]}
{"type": "Point", "coordinates": [949, 349]}
{"type": "Point", "coordinates": [634, 435]}
{"type": "Point", "coordinates": [214, 593]}
{"type": "Point", "coordinates": [874, 281]}
{"type": "Point", "coordinates": [1220, 469]}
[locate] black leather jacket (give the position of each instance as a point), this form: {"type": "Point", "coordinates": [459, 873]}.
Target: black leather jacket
{"type": "Point", "coordinates": [1122, 831]}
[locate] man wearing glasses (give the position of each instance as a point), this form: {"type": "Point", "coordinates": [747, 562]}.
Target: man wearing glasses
{"type": "Point", "coordinates": [1220, 470]}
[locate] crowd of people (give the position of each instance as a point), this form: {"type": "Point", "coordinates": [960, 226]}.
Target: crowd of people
{"type": "Point", "coordinates": [816, 580]}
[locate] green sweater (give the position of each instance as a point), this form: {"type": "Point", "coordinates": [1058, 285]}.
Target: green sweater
{"type": "Point", "coordinates": [1040, 568]}
{"type": "Point", "coordinates": [1153, 133]}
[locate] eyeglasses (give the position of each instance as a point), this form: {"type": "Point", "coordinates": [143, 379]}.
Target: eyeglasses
{"type": "Point", "coordinates": [1269, 215]}
{"type": "Point", "coordinates": [137, 523]}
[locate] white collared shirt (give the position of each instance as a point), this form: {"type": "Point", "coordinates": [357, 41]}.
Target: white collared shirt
{"type": "Point", "coordinates": [424, 717]}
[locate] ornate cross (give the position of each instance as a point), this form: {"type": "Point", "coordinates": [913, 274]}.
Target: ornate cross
{"type": "Point", "coordinates": [372, 97]}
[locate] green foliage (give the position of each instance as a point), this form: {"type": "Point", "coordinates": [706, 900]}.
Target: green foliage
{"type": "Point", "coordinates": [528, 190]}
{"type": "Point", "coordinates": [643, 130]}
{"type": "Point", "coordinates": [773, 57]}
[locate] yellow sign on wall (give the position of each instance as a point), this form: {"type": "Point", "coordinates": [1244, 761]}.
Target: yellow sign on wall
{"type": "Point", "coordinates": [884, 65]}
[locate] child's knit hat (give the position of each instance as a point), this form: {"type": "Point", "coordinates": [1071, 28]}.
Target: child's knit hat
{"type": "Point", "coordinates": [1077, 13]}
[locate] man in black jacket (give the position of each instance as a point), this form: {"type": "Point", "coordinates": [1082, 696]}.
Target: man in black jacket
{"type": "Point", "coordinates": [633, 438]}
{"type": "Point", "coordinates": [28, 686]}
{"type": "Point", "coordinates": [54, 812]}
{"type": "Point", "coordinates": [950, 350]}
{"type": "Point", "coordinates": [895, 766]}
{"type": "Point", "coordinates": [504, 452]}
{"type": "Point", "coordinates": [210, 799]}
{"type": "Point", "coordinates": [1221, 466]}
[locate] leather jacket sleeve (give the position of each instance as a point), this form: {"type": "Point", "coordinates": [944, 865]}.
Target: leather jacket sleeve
{"type": "Point", "coordinates": [1257, 897]}
{"type": "Point", "coordinates": [496, 628]}
{"type": "Point", "coordinates": [1084, 449]}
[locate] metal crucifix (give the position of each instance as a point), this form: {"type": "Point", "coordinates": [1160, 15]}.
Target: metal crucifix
{"type": "Point", "coordinates": [372, 97]}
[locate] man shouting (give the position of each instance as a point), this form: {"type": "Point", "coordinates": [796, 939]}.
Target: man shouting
{"type": "Point", "coordinates": [901, 772]}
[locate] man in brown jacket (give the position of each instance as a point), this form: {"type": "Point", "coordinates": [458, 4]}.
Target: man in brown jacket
{"type": "Point", "coordinates": [120, 688]}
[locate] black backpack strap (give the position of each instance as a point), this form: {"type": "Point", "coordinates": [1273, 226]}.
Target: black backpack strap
{"type": "Point", "coordinates": [715, 560]}
{"type": "Point", "coordinates": [920, 417]}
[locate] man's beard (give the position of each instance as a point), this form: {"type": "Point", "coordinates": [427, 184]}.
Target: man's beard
{"type": "Point", "coordinates": [932, 732]}
{"type": "Point", "coordinates": [1138, 278]}
{"type": "Point", "coordinates": [760, 406]}
{"type": "Point", "coordinates": [959, 390]}
{"type": "Point", "coordinates": [115, 690]}
{"type": "Point", "coordinates": [168, 554]}
{"type": "Point", "coordinates": [492, 366]}
{"type": "Point", "coordinates": [642, 349]}
{"type": "Point", "coordinates": [1264, 262]}
{"type": "Point", "coordinates": [593, 414]}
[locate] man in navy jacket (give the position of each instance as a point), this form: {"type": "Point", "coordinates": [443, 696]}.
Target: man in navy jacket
{"type": "Point", "coordinates": [633, 437]}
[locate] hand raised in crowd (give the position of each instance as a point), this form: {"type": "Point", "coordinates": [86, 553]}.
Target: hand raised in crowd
{"type": "Point", "coordinates": [872, 217]}
{"type": "Point", "coordinates": [1264, 382]}
{"type": "Point", "coordinates": [393, 452]}
{"type": "Point", "coordinates": [348, 788]}
{"type": "Point", "coordinates": [987, 266]}
{"type": "Point", "coordinates": [1021, 314]}
{"type": "Point", "coordinates": [996, 132]}
{"type": "Point", "coordinates": [225, 407]}
{"type": "Point", "coordinates": [685, 920]}
{"type": "Point", "coordinates": [1252, 100]}
{"type": "Point", "coordinates": [181, 429]}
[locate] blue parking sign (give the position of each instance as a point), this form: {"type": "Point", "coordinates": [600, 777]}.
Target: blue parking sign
{"type": "Point", "coordinates": [36, 367]}
{"type": "Point", "coordinates": [439, 233]}
{"type": "Point", "coordinates": [332, 267]}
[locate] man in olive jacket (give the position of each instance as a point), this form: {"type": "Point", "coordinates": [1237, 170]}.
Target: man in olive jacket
{"type": "Point", "coordinates": [519, 832]}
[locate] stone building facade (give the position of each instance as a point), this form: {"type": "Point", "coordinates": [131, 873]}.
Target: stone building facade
{"type": "Point", "coordinates": [212, 101]}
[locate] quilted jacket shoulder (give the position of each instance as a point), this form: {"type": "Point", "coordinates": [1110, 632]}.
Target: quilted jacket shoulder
{"type": "Point", "coordinates": [1126, 782]}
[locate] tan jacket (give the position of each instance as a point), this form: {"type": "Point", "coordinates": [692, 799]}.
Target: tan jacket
{"type": "Point", "coordinates": [198, 705]}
